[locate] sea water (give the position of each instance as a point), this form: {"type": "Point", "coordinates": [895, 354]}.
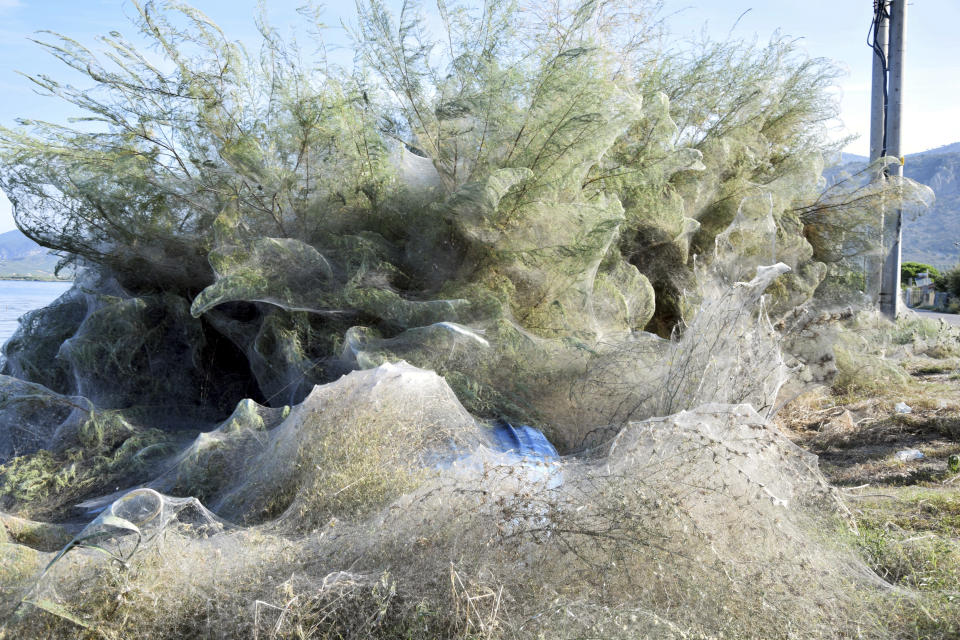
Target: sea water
{"type": "Point", "coordinates": [19, 296]}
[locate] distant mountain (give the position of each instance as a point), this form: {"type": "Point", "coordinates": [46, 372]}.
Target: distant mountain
{"type": "Point", "coordinates": [21, 257]}
{"type": "Point", "coordinates": [930, 237]}
{"type": "Point", "coordinates": [852, 157]}
{"type": "Point", "coordinates": [947, 148]}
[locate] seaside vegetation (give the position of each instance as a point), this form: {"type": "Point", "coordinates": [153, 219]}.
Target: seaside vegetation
{"type": "Point", "coordinates": [304, 291]}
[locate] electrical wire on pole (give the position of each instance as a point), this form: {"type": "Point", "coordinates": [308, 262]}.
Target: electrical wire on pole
{"type": "Point", "coordinates": [877, 40]}
{"type": "Point", "coordinates": [885, 133]}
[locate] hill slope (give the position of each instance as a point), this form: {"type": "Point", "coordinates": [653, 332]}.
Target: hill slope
{"type": "Point", "coordinates": [21, 257]}
{"type": "Point", "coordinates": [929, 237]}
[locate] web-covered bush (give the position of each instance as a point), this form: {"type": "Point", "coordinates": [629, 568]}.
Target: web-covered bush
{"type": "Point", "coordinates": [385, 512]}
{"type": "Point", "coordinates": [550, 219]}
{"type": "Point", "coordinates": [545, 178]}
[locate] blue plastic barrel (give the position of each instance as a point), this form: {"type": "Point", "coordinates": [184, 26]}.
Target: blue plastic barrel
{"type": "Point", "coordinates": [522, 441]}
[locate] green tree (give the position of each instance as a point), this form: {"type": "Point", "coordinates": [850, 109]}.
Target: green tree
{"type": "Point", "coordinates": [910, 270]}
{"type": "Point", "coordinates": [950, 281]}
{"type": "Point", "coordinates": [549, 171]}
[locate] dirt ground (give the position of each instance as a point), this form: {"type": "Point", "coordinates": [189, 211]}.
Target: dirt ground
{"type": "Point", "coordinates": [857, 439]}
{"type": "Point", "coordinates": [906, 512]}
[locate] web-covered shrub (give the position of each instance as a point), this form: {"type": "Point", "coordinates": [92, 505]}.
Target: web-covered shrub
{"type": "Point", "coordinates": [544, 179]}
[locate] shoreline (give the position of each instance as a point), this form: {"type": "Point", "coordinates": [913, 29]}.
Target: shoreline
{"type": "Point", "coordinates": [33, 279]}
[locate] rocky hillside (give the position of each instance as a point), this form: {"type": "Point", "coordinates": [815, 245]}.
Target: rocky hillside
{"type": "Point", "coordinates": [21, 257]}
{"type": "Point", "coordinates": [930, 237]}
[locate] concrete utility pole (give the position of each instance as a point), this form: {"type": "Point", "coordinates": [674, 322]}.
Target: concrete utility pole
{"type": "Point", "coordinates": [890, 280]}
{"type": "Point", "coordinates": [879, 37]}
{"type": "Point", "coordinates": [878, 99]}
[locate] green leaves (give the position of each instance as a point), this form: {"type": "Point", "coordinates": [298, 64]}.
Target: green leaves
{"type": "Point", "coordinates": [475, 207]}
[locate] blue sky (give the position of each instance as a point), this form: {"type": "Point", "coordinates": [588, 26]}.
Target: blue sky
{"type": "Point", "coordinates": [834, 29]}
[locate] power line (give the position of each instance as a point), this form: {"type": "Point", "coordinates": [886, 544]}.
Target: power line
{"type": "Point", "coordinates": [881, 12]}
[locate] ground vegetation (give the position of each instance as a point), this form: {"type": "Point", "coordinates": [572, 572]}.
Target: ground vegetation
{"type": "Point", "coordinates": [307, 292]}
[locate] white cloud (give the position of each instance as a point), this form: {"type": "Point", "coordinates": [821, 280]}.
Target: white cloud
{"type": "Point", "coordinates": [9, 4]}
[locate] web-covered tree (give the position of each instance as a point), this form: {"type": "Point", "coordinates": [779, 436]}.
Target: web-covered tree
{"type": "Point", "coordinates": [516, 202]}
{"type": "Point", "coordinates": [544, 180]}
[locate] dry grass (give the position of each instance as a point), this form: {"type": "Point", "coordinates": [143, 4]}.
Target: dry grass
{"type": "Point", "coordinates": [907, 513]}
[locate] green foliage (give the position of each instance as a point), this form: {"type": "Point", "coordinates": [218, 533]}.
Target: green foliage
{"type": "Point", "coordinates": [106, 450]}
{"type": "Point", "coordinates": [298, 150]}
{"type": "Point", "coordinates": [909, 270]}
{"type": "Point", "coordinates": [909, 539]}
{"type": "Point", "coordinates": [913, 269]}
{"type": "Point", "coordinates": [164, 152]}
{"type": "Point", "coordinates": [950, 281]}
